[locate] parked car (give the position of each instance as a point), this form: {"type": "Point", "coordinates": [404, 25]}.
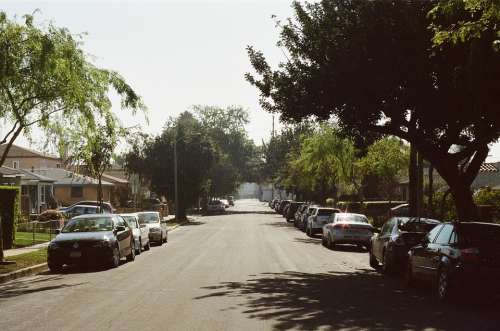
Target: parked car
{"type": "Point", "coordinates": [215, 206]}
{"type": "Point", "coordinates": [158, 232]}
{"type": "Point", "coordinates": [390, 247]}
{"type": "Point", "coordinates": [292, 209]}
{"type": "Point", "coordinates": [78, 210]}
{"type": "Point", "coordinates": [459, 258]}
{"type": "Point", "coordinates": [305, 216]}
{"type": "Point", "coordinates": [318, 217]}
{"type": "Point", "coordinates": [225, 202]}
{"type": "Point", "coordinates": [140, 232]}
{"type": "Point", "coordinates": [282, 205]}
{"type": "Point", "coordinates": [298, 214]}
{"type": "Point", "coordinates": [230, 198]}
{"type": "Point", "coordinates": [90, 239]}
{"type": "Point", "coordinates": [106, 206]}
{"type": "Point", "coordinates": [347, 228]}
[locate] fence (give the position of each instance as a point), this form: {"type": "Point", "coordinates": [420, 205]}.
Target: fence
{"type": "Point", "coordinates": [36, 232]}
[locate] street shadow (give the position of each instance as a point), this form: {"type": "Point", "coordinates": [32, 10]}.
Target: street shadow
{"type": "Point", "coordinates": [26, 286]}
{"type": "Point", "coordinates": [192, 223]}
{"type": "Point", "coordinates": [314, 241]}
{"type": "Point", "coordinates": [362, 300]}
{"type": "Point", "coordinates": [280, 224]}
{"type": "Point", "coordinates": [237, 212]}
{"type": "Point", "coordinates": [349, 248]}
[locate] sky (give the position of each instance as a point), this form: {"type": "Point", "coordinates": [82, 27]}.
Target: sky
{"type": "Point", "coordinates": [175, 54]}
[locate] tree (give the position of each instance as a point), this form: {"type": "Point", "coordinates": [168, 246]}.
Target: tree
{"type": "Point", "coordinates": [385, 159]}
{"type": "Point", "coordinates": [383, 74]}
{"type": "Point", "coordinates": [47, 82]}
{"type": "Point", "coordinates": [154, 160]}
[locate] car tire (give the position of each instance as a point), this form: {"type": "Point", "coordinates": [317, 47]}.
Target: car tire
{"type": "Point", "coordinates": [131, 256]}
{"type": "Point", "coordinates": [444, 288]}
{"type": "Point", "coordinates": [387, 265]}
{"type": "Point", "coordinates": [160, 242]}
{"type": "Point", "coordinates": [54, 267]}
{"type": "Point", "coordinates": [308, 232]}
{"type": "Point", "coordinates": [373, 261]}
{"type": "Point", "coordinates": [331, 243]}
{"type": "Point", "coordinates": [166, 238]}
{"type": "Point", "coordinates": [115, 259]}
{"type": "Point", "coordinates": [148, 246]}
{"type": "Point", "coordinates": [323, 241]}
{"type": "Point", "coordinates": [139, 249]}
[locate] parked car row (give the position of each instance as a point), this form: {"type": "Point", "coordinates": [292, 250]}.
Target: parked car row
{"type": "Point", "coordinates": [104, 239]}
{"type": "Point", "coordinates": [456, 258]}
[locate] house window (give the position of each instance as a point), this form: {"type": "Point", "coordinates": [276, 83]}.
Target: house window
{"type": "Point", "coordinates": [42, 194]}
{"type": "Point", "coordinates": [58, 165]}
{"type": "Point", "coordinates": [76, 191]}
{"type": "Point", "coordinates": [15, 164]}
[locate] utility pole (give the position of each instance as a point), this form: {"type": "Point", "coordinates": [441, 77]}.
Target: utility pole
{"type": "Point", "coordinates": [176, 187]}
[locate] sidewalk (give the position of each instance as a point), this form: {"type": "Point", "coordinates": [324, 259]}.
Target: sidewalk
{"type": "Point", "coordinates": [28, 249]}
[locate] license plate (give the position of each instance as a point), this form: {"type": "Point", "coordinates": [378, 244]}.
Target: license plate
{"type": "Point", "coordinates": [75, 254]}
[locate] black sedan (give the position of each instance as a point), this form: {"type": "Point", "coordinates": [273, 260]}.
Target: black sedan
{"type": "Point", "coordinates": [459, 258]}
{"type": "Point", "coordinates": [92, 239]}
{"type": "Point", "coordinates": [390, 247]}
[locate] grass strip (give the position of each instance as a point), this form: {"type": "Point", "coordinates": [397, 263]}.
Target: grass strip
{"type": "Point", "coordinates": [24, 260]}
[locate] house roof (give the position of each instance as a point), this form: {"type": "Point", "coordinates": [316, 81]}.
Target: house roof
{"type": "Point", "coordinates": [10, 172]}
{"type": "Point", "coordinates": [23, 152]}
{"type": "Point", "coordinates": [65, 177]}
{"type": "Point", "coordinates": [489, 167]}
{"type": "Point", "coordinates": [114, 179]}
{"type": "Point", "coordinates": [31, 176]}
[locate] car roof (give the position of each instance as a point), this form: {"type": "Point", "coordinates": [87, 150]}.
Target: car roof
{"type": "Point", "coordinates": [94, 216]}
{"type": "Point", "coordinates": [147, 212]}
{"type": "Point", "coordinates": [85, 206]}
{"type": "Point", "coordinates": [129, 214]}
{"type": "Point", "coordinates": [354, 214]}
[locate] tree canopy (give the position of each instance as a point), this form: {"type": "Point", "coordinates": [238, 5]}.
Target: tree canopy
{"type": "Point", "coordinates": [389, 75]}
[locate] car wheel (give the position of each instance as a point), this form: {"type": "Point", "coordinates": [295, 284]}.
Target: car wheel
{"type": "Point", "coordinates": [387, 265]}
{"type": "Point", "coordinates": [131, 256]}
{"type": "Point", "coordinates": [55, 267]}
{"type": "Point", "coordinates": [148, 246]}
{"type": "Point", "coordinates": [444, 285]}
{"type": "Point", "coordinates": [166, 237]}
{"type": "Point", "coordinates": [138, 250]}
{"type": "Point", "coordinates": [308, 232]}
{"type": "Point", "coordinates": [115, 259]}
{"type": "Point", "coordinates": [331, 243]}
{"type": "Point", "coordinates": [408, 275]}
{"type": "Point", "coordinates": [323, 241]}
{"type": "Point", "coordinates": [373, 261]}
{"type": "Point", "coordinates": [161, 240]}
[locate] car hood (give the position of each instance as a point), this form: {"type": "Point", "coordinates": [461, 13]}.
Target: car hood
{"type": "Point", "coordinates": [82, 236]}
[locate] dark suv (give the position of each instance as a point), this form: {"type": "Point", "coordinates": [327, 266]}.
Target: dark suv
{"type": "Point", "coordinates": [457, 257]}
{"type": "Point", "coordinates": [292, 209]}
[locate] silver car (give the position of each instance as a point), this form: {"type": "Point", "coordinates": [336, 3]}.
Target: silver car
{"type": "Point", "coordinates": [347, 228]}
{"type": "Point", "coordinates": [318, 217]}
{"type": "Point", "coordinates": [140, 232]}
{"type": "Point", "coordinates": [158, 232]}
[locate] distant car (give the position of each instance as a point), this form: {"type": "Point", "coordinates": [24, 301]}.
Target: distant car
{"type": "Point", "coordinates": [78, 210]}
{"type": "Point", "coordinates": [292, 208]}
{"type": "Point", "coordinates": [90, 239]}
{"type": "Point", "coordinates": [318, 218]}
{"type": "Point", "coordinates": [225, 202]}
{"type": "Point", "coordinates": [282, 205]}
{"type": "Point", "coordinates": [305, 216]}
{"type": "Point", "coordinates": [140, 232]}
{"type": "Point", "coordinates": [460, 259]}
{"type": "Point", "coordinates": [298, 214]}
{"type": "Point", "coordinates": [231, 200]}
{"type": "Point", "coordinates": [158, 232]}
{"type": "Point", "coordinates": [347, 228]}
{"type": "Point", "coordinates": [216, 206]}
{"type": "Point", "coordinates": [106, 206]}
{"type": "Point", "coordinates": [390, 247]}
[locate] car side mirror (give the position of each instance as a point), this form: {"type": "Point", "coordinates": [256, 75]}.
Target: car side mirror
{"type": "Point", "coordinates": [57, 231]}
{"type": "Point", "coordinates": [120, 228]}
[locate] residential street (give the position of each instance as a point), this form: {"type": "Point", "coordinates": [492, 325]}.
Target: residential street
{"type": "Point", "coordinates": [246, 270]}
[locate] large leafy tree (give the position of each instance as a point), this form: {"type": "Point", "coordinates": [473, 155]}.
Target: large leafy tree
{"type": "Point", "coordinates": [153, 159]}
{"type": "Point", "coordinates": [385, 74]}
{"type": "Point", "coordinates": [47, 82]}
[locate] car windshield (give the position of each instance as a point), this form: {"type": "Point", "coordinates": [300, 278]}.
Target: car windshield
{"type": "Point", "coordinates": [96, 224]}
{"type": "Point", "coordinates": [352, 219]}
{"type": "Point", "coordinates": [417, 226]}
{"type": "Point", "coordinates": [325, 212]}
{"type": "Point", "coordinates": [131, 221]}
{"type": "Point", "coordinates": [148, 218]}
{"type": "Point", "coordinates": [480, 235]}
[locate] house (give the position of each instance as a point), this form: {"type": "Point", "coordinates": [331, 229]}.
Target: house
{"type": "Point", "coordinates": [70, 187]}
{"type": "Point", "coordinates": [37, 193]}
{"type": "Point", "coordinates": [25, 158]}
{"type": "Point", "coordinates": [489, 175]}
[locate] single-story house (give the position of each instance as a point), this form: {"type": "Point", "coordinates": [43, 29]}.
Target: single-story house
{"type": "Point", "coordinates": [71, 187]}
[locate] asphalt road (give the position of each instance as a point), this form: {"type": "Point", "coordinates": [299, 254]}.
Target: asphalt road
{"type": "Point", "coordinates": [248, 270]}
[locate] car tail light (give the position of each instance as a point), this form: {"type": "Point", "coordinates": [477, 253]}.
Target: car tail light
{"type": "Point", "coordinates": [469, 254]}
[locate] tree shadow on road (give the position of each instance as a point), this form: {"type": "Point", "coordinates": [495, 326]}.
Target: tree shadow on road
{"type": "Point", "coordinates": [280, 224]}
{"type": "Point", "coordinates": [27, 286]}
{"type": "Point", "coordinates": [192, 223]}
{"type": "Point", "coordinates": [260, 212]}
{"type": "Point", "coordinates": [351, 301]}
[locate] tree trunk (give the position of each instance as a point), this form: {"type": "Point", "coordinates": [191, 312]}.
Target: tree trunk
{"type": "Point", "coordinates": [1, 241]}
{"type": "Point", "coordinates": [413, 178]}
{"type": "Point", "coordinates": [430, 193]}
{"type": "Point", "coordinates": [9, 145]}
{"type": "Point", "coordinates": [99, 193]}
{"type": "Point", "coordinates": [464, 203]}
{"type": "Point", "coordinates": [420, 185]}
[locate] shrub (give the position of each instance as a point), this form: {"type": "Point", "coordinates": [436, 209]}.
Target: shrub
{"type": "Point", "coordinates": [9, 213]}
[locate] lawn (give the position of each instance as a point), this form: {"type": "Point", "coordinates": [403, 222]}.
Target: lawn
{"type": "Point", "coordinates": [24, 239]}
{"type": "Point", "coordinates": [24, 260]}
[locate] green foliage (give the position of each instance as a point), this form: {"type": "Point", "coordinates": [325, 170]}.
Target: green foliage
{"type": "Point", "coordinates": [47, 82]}
{"type": "Point", "coordinates": [10, 213]}
{"type": "Point", "coordinates": [487, 196]}
{"type": "Point", "coordinates": [25, 260]}
{"type": "Point", "coordinates": [382, 74]}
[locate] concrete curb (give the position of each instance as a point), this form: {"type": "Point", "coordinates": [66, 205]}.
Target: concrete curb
{"type": "Point", "coordinates": [29, 271]}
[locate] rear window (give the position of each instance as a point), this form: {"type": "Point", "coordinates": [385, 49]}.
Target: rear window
{"type": "Point", "coordinates": [417, 227]}
{"type": "Point", "coordinates": [352, 218]}
{"type": "Point", "coordinates": [474, 234]}
{"type": "Point", "coordinates": [326, 212]}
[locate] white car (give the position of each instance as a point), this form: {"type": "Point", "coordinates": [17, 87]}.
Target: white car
{"type": "Point", "coordinates": [140, 232]}
{"type": "Point", "coordinates": [158, 231]}
{"type": "Point", "coordinates": [348, 228]}
{"type": "Point", "coordinates": [318, 217]}
{"type": "Point", "coordinates": [225, 202]}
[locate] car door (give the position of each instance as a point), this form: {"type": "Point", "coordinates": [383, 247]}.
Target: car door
{"type": "Point", "coordinates": [422, 254]}
{"type": "Point", "coordinates": [123, 237]}
{"type": "Point", "coordinates": [437, 249]}
{"type": "Point", "coordinates": [144, 230]}
{"type": "Point", "coordinates": [383, 239]}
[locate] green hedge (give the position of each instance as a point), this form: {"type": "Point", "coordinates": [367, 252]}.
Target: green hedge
{"type": "Point", "coordinates": [9, 212]}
